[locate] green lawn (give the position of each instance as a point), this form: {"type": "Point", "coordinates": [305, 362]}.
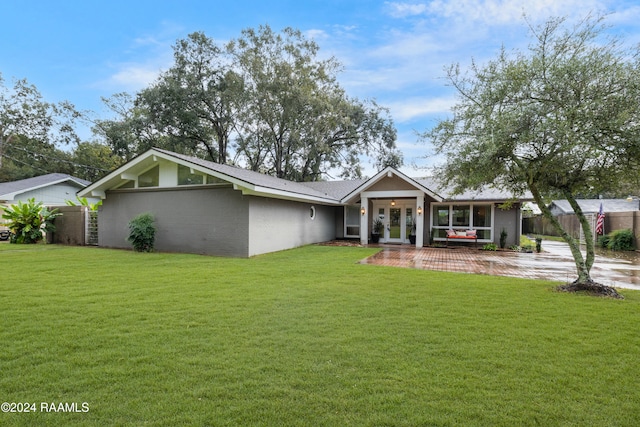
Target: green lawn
{"type": "Point", "coordinates": [305, 337]}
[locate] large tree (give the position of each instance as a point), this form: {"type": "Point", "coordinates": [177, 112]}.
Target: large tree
{"type": "Point", "coordinates": [189, 109]}
{"type": "Point", "coordinates": [264, 101]}
{"type": "Point", "coordinates": [126, 133]}
{"type": "Point", "coordinates": [24, 114]}
{"type": "Point", "coordinates": [296, 121]}
{"type": "Point", "coordinates": [559, 120]}
{"type": "Point", "coordinates": [194, 102]}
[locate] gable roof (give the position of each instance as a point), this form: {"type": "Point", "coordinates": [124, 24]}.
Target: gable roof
{"type": "Point", "coordinates": [593, 205]}
{"type": "Point", "coordinates": [255, 183]}
{"type": "Point", "coordinates": [388, 172]}
{"type": "Point", "coordinates": [249, 182]}
{"type": "Point", "coordinates": [258, 183]}
{"type": "Point", "coordinates": [9, 190]}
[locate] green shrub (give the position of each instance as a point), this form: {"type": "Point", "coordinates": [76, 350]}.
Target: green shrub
{"type": "Point", "coordinates": [490, 247]}
{"type": "Point", "coordinates": [142, 232]}
{"type": "Point", "coordinates": [621, 240]}
{"type": "Point", "coordinates": [93, 207]}
{"type": "Point", "coordinates": [603, 241]}
{"type": "Point", "coordinates": [503, 238]}
{"type": "Point", "coordinates": [29, 221]}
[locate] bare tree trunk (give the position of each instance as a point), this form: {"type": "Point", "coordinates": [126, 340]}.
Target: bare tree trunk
{"type": "Point", "coordinates": [586, 228]}
{"type": "Point", "coordinates": [574, 246]}
{"type": "Point", "coordinates": [583, 267]}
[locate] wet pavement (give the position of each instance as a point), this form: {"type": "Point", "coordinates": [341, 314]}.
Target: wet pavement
{"type": "Point", "coordinates": [616, 269]}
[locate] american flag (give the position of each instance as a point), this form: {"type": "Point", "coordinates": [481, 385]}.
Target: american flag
{"type": "Point", "coordinates": [600, 221]}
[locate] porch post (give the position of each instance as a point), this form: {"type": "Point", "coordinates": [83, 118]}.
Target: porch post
{"type": "Point", "coordinates": [364, 221]}
{"type": "Point", "coordinates": [420, 221]}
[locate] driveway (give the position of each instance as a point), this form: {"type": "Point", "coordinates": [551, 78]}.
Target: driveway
{"type": "Point", "coordinates": [620, 270]}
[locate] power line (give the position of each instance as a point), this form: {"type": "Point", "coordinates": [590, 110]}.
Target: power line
{"type": "Point", "coordinates": [46, 157]}
{"type": "Point", "coordinates": [24, 163]}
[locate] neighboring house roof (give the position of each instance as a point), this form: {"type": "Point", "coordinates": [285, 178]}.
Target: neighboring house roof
{"type": "Point", "coordinates": [255, 183]}
{"type": "Point", "coordinates": [9, 190]}
{"type": "Point", "coordinates": [561, 207]}
{"type": "Point", "coordinates": [531, 207]}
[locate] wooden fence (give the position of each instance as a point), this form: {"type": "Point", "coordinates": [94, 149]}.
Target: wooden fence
{"type": "Point", "coordinates": [76, 226]}
{"type": "Point", "coordinates": [612, 221]}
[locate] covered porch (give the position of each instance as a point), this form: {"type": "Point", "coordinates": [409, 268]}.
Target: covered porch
{"type": "Point", "coordinates": [400, 203]}
{"type": "Point", "coordinates": [401, 213]}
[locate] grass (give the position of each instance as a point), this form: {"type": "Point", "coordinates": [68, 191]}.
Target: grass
{"type": "Point", "coordinates": [305, 337]}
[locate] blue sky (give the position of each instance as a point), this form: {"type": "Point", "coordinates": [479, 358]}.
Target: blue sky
{"type": "Point", "coordinates": [392, 51]}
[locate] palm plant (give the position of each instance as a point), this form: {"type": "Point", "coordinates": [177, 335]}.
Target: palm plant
{"type": "Point", "coordinates": [29, 221]}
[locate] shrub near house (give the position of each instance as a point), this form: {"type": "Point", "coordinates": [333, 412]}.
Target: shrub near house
{"type": "Point", "coordinates": [142, 233]}
{"type": "Point", "coordinates": [617, 240]}
{"type": "Point", "coordinates": [27, 222]}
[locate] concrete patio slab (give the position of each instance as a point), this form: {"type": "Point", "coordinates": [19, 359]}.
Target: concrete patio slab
{"type": "Point", "coordinates": [554, 263]}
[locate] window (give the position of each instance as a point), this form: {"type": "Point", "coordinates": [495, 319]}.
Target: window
{"type": "Point", "coordinates": [185, 177]}
{"type": "Point", "coordinates": [440, 216]}
{"type": "Point", "coordinates": [409, 221]}
{"type": "Point", "coordinates": [150, 178]}
{"type": "Point", "coordinates": [482, 216]}
{"type": "Point", "coordinates": [462, 217]}
{"type": "Point", "coordinates": [352, 221]}
{"type": "Point", "coordinates": [214, 180]}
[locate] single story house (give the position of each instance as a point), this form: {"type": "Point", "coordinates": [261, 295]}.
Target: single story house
{"type": "Point", "coordinates": [209, 208]}
{"type": "Point", "coordinates": [591, 206]}
{"type": "Point", "coordinates": [53, 189]}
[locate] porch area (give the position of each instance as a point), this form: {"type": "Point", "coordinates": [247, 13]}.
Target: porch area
{"type": "Point", "coordinates": [554, 263]}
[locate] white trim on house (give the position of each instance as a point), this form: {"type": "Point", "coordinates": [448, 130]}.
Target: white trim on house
{"type": "Point", "coordinates": [144, 162]}
{"type": "Point", "coordinates": [279, 213]}
{"type": "Point", "coordinates": [252, 190]}
{"type": "Point", "coordinates": [389, 172]}
{"type": "Point", "coordinates": [471, 224]}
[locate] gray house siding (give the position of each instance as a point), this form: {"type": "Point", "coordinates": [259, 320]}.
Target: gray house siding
{"type": "Point", "coordinates": [339, 222]}
{"type": "Point", "coordinates": [209, 221]}
{"type": "Point", "coordinates": [508, 220]}
{"type": "Point", "coordinates": [241, 213]}
{"type": "Point", "coordinates": [280, 224]}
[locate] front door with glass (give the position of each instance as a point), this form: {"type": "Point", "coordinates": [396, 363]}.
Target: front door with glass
{"type": "Point", "coordinates": [397, 220]}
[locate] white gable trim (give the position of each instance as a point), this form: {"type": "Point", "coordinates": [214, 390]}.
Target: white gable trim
{"type": "Point", "coordinates": [252, 190]}
{"type": "Point", "coordinates": [99, 188]}
{"type": "Point", "coordinates": [390, 172]}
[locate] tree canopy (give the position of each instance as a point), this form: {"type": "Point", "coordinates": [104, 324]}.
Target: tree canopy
{"type": "Point", "coordinates": [264, 101]}
{"type": "Point", "coordinates": [560, 120]}
{"type": "Point", "coordinates": [24, 114]}
{"type": "Point", "coordinates": [39, 137]}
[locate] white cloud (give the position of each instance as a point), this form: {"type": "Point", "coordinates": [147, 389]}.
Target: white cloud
{"type": "Point", "coordinates": [401, 10]}
{"type": "Point", "coordinates": [493, 12]}
{"type": "Point", "coordinates": [316, 34]}
{"type": "Point", "coordinates": [408, 109]}
{"type": "Point", "coordinates": [133, 77]}
{"type": "Point", "coordinates": [503, 12]}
